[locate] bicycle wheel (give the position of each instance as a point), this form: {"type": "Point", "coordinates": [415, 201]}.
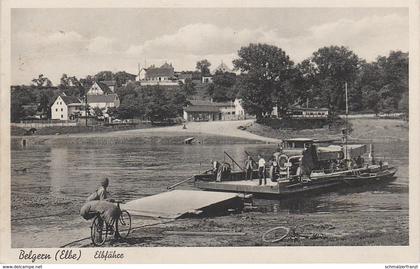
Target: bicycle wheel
{"type": "Point", "coordinates": [98, 231]}
{"type": "Point", "coordinates": [124, 224]}
{"type": "Point", "coordinates": [275, 237]}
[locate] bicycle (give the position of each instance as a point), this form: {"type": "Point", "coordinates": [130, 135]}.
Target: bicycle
{"type": "Point", "coordinates": [122, 227]}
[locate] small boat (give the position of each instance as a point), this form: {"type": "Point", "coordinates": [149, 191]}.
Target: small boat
{"type": "Point", "coordinates": [189, 140]}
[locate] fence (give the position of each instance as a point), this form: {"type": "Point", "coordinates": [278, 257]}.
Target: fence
{"type": "Point", "coordinates": [43, 123]}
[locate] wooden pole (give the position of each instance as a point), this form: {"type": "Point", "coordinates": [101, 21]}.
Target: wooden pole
{"type": "Point", "coordinates": [233, 160]}
{"type": "Point", "coordinates": [347, 114]}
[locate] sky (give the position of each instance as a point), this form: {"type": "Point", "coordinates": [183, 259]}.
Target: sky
{"type": "Point", "coordinates": [85, 41]}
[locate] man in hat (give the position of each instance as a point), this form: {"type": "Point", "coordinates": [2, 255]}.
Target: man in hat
{"type": "Point", "coordinates": [101, 193]}
{"type": "Point", "coordinates": [99, 202]}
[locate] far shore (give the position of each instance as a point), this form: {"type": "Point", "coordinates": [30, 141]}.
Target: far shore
{"type": "Point", "coordinates": [201, 130]}
{"type": "Point", "coordinates": [227, 132]}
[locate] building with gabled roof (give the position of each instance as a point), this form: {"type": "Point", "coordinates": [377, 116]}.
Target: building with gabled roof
{"type": "Point", "coordinates": [103, 101]}
{"type": "Point", "coordinates": [201, 110]}
{"type": "Point", "coordinates": [65, 107]}
{"type": "Point", "coordinates": [99, 88]}
{"type": "Point", "coordinates": [163, 75]}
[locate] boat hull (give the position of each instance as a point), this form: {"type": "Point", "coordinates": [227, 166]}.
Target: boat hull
{"type": "Point", "coordinates": [286, 188]}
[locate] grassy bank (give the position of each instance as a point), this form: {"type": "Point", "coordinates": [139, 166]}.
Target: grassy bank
{"type": "Point", "coordinates": [360, 129]}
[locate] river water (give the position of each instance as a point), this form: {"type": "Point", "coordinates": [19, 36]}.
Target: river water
{"type": "Point", "coordinates": [72, 172]}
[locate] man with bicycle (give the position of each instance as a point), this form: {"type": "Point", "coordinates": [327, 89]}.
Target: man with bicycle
{"type": "Point", "coordinates": [100, 203]}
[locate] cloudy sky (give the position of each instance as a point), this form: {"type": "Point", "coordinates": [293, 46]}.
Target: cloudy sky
{"type": "Point", "coordinates": [85, 41]}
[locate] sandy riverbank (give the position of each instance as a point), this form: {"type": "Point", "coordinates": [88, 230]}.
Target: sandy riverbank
{"type": "Point", "coordinates": [322, 229]}
{"type": "Point", "coordinates": [210, 133]}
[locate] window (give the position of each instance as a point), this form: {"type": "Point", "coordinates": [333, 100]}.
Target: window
{"type": "Point", "coordinates": [56, 109]}
{"type": "Point", "coordinates": [61, 115]}
{"type": "Point", "coordinates": [61, 109]}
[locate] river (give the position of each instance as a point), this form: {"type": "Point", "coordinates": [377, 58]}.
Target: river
{"type": "Point", "coordinates": [58, 178]}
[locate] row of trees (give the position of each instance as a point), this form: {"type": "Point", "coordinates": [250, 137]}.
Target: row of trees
{"type": "Point", "coordinates": [154, 103]}
{"type": "Point", "coordinates": [269, 78]}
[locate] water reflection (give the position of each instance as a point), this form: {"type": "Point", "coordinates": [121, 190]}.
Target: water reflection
{"type": "Point", "coordinates": [57, 171]}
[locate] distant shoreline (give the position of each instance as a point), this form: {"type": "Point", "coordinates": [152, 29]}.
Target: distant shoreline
{"type": "Point", "coordinates": [224, 132]}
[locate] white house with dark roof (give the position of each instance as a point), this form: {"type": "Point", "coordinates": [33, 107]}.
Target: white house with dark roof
{"type": "Point", "coordinates": [163, 75]}
{"type": "Point", "coordinates": [64, 107]}
{"type": "Point", "coordinates": [103, 101]}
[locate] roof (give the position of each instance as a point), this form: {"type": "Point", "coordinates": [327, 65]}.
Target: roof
{"type": "Point", "coordinates": [159, 72]}
{"type": "Point", "coordinates": [202, 109]}
{"type": "Point", "coordinates": [104, 87]}
{"type": "Point", "coordinates": [108, 98]}
{"type": "Point", "coordinates": [208, 103]}
{"type": "Point", "coordinates": [166, 70]}
{"type": "Point", "coordinates": [70, 99]}
{"type": "Point", "coordinates": [109, 82]}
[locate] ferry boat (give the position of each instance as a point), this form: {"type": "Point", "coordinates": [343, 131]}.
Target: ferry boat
{"type": "Point", "coordinates": [305, 165]}
{"type": "Point", "coordinates": [332, 166]}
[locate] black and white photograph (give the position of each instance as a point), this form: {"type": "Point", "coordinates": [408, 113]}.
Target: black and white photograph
{"type": "Point", "coordinates": [212, 127]}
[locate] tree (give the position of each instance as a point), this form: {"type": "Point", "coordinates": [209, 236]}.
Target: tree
{"type": "Point", "coordinates": [188, 87]}
{"type": "Point", "coordinates": [41, 81]}
{"type": "Point", "coordinates": [64, 81]}
{"type": "Point", "coordinates": [122, 78]}
{"type": "Point", "coordinates": [87, 82]}
{"type": "Point", "coordinates": [222, 89]}
{"type": "Point", "coordinates": [204, 67]}
{"type": "Point", "coordinates": [334, 66]}
{"type": "Point", "coordinates": [104, 75]}
{"type": "Point", "coordinates": [383, 84]}
{"type": "Point", "coordinates": [265, 71]}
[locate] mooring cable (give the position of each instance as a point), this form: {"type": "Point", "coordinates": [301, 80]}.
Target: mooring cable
{"type": "Point", "coordinates": [276, 239]}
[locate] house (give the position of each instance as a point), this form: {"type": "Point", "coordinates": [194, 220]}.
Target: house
{"type": "Point", "coordinates": [206, 79]}
{"type": "Point", "coordinates": [142, 75]}
{"type": "Point", "coordinates": [65, 107]}
{"type": "Point", "coordinates": [103, 101]}
{"type": "Point", "coordinates": [239, 110]}
{"type": "Point", "coordinates": [211, 111]}
{"type": "Point", "coordinates": [99, 88]}
{"type": "Point", "coordinates": [182, 77]}
{"type": "Point", "coordinates": [163, 75]}
{"type": "Point", "coordinates": [202, 113]}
